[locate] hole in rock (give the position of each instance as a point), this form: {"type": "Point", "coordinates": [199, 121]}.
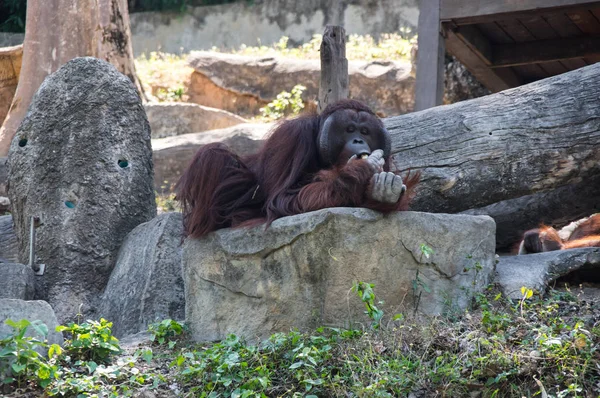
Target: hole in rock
{"type": "Point", "coordinates": [123, 163]}
{"type": "Point", "coordinates": [22, 142]}
{"type": "Point", "coordinates": [69, 204]}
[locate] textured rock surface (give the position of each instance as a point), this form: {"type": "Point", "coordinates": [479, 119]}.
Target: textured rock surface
{"type": "Point", "coordinates": [81, 161]}
{"type": "Point", "coordinates": [298, 273]}
{"type": "Point", "coordinates": [243, 84]}
{"type": "Point", "coordinates": [177, 118]}
{"type": "Point", "coordinates": [146, 285]}
{"type": "Point", "coordinates": [264, 22]}
{"type": "Point", "coordinates": [173, 154]}
{"type": "Point", "coordinates": [535, 271]}
{"type": "Point", "coordinates": [32, 311]}
{"type": "Point", "coordinates": [3, 175]}
{"type": "Point", "coordinates": [9, 250]}
{"type": "Point", "coordinates": [16, 281]}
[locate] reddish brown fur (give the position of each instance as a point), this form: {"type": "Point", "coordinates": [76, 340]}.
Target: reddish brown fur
{"type": "Point", "coordinates": [591, 226]}
{"type": "Point", "coordinates": [543, 239]}
{"type": "Point", "coordinates": [285, 177]}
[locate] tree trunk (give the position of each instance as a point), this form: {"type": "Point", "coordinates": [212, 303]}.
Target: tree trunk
{"type": "Point", "coordinates": [60, 30]}
{"type": "Point", "coordinates": [10, 67]}
{"type": "Point", "coordinates": [333, 85]}
{"type": "Point", "coordinates": [523, 141]}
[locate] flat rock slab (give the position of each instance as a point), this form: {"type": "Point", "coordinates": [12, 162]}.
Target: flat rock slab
{"type": "Point", "coordinates": [17, 281]}
{"type": "Point", "coordinates": [536, 271]}
{"type": "Point", "coordinates": [299, 272]}
{"type": "Point", "coordinates": [172, 155]}
{"type": "Point", "coordinates": [146, 285]}
{"type": "Point", "coordinates": [177, 118]}
{"type": "Point", "coordinates": [32, 311]}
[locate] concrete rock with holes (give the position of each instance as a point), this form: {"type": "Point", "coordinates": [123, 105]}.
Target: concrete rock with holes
{"type": "Point", "coordinates": [299, 272]}
{"type": "Point", "coordinates": [81, 161]}
{"type": "Point", "coordinates": [146, 285]}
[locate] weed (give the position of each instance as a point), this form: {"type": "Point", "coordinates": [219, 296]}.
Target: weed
{"type": "Point", "coordinates": [285, 104]}
{"type": "Point", "coordinates": [167, 331]}
{"type": "Point", "coordinates": [90, 341]}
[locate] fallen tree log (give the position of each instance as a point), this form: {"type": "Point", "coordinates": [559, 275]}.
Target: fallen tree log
{"type": "Point", "coordinates": [524, 141]}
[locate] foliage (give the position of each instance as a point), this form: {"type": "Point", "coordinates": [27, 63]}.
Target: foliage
{"type": "Point", "coordinates": [285, 104]}
{"type": "Point", "coordinates": [12, 15]}
{"type": "Point", "coordinates": [166, 202]}
{"type": "Point", "coordinates": [158, 5]}
{"type": "Point", "coordinates": [167, 330]}
{"type": "Point", "coordinates": [501, 348]}
{"type": "Point", "coordinates": [20, 360]}
{"type": "Point", "coordinates": [302, 363]}
{"type": "Point", "coordinates": [171, 5]}
{"type": "Point", "coordinates": [365, 292]}
{"type": "Point", "coordinates": [70, 371]}
{"type": "Point", "coordinates": [90, 341]}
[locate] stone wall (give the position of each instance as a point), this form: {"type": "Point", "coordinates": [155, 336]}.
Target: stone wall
{"type": "Point", "coordinates": [11, 39]}
{"type": "Point", "coordinates": [265, 22]}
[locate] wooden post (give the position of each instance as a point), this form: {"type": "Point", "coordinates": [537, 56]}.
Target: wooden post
{"type": "Point", "coordinates": [334, 67]}
{"type": "Point", "coordinates": [429, 89]}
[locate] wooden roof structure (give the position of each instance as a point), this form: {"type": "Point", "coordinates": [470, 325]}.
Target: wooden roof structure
{"type": "Point", "coordinates": [504, 43]}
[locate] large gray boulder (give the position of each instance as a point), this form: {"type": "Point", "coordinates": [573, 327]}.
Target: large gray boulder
{"type": "Point", "coordinates": [81, 161]}
{"type": "Point", "coordinates": [243, 84]}
{"type": "Point", "coordinates": [177, 118]}
{"type": "Point", "coordinates": [172, 155]}
{"type": "Point", "coordinates": [299, 272]}
{"type": "Point", "coordinates": [146, 285]}
{"type": "Point", "coordinates": [9, 251]}
{"type": "Point", "coordinates": [17, 281]}
{"type": "Point", "coordinates": [536, 271]}
{"type": "Point", "coordinates": [32, 311]}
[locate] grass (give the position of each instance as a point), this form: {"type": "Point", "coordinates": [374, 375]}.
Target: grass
{"type": "Point", "coordinates": [389, 47]}
{"type": "Point", "coordinates": [533, 347]}
{"type": "Point", "coordinates": [163, 76]}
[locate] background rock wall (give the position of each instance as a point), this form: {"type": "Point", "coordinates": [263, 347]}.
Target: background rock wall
{"type": "Point", "coordinates": [265, 22]}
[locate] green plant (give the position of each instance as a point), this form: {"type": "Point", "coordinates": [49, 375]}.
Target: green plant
{"type": "Point", "coordinates": [365, 292]}
{"type": "Point", "coordinates": [166, 202]}
{"type": "Point", "coordinates": [90, 341]}
{"type": "Point", "coordinates": [170, 94]}
{"type": "Point", "coordinates": [418, 284]}
{"type": "Point", "coordinates": [166, 330]}
{"type": "Point", "coordinates": [285, 104]}
{"type": "Point", "coordinates": [19, 357]}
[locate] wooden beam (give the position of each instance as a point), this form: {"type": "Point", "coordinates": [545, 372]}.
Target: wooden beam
{"type": "Point", "coordinates": [544, 51]}
{"type": "Point", "coordinates": [494, 80]}
{"type": "Point", "coordinates": [470, 12]}
{"type": "Point", "coordinates": [429, 89]}
{"type": "Point", "coordinates": [476, 41]}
